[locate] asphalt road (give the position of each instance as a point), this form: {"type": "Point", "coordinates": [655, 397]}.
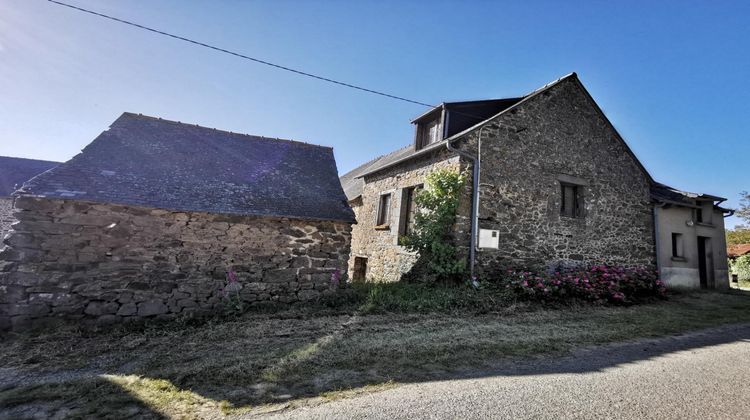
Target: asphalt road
{"type": "Point", "coordinates": [697, 376]}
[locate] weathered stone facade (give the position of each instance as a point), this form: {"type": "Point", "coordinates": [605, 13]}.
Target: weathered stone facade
{"type": "Point", "coordinates": [560, 137]}
{"type": "Point", "coordinates": [552, 137]}
{"type": "Point", "coordinates": [386, 259]}
{"type": "Point", "coordinates": [6, 215]}
{"type": "Point", "coordinates": [105, 263]}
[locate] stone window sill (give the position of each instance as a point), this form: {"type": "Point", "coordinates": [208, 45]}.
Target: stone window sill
{"type": "Point", "coordinates": [679, 259]}
{"type": "Point", "coordinates": [383, 227]}
{"type": "Point", "coordinates": [705, 224]}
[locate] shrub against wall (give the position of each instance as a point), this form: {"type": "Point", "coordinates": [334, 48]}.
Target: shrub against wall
{"type": "Point", "coordinates": [599, 283]}
{"type": "Point", "coordinates": [432, 236]}
{"type": "Point", "coordinates": [741, 267]}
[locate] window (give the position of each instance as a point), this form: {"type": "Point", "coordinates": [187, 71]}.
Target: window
{"type": "Point", "coordinates": [571, 200]}
{"type": "Point", "coordinates": [677, 245]}
{"type": "Point", "coordinates": [703, 214]}
{"type": "Point", "coordinates": [408, 209]}
{"type": "Point", "coordinates": [429, 132]}
{"type": "Point", "coordinates": [384, 210]}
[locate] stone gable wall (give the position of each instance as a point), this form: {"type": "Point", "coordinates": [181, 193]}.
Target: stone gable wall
{"type": "Point", "coordinates": [557, 136]}
{"type": "Point", "coordinates": [72, 260]}
{"type": "Point", "coordinates": [386, 260]}
{"type": "Point", "coordinates": [6, 215]}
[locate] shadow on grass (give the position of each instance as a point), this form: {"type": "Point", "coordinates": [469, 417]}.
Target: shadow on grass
{"type": "Point", "coordinates": [97, 397]}
{"type": "Point", "coordinates": [277, 358]}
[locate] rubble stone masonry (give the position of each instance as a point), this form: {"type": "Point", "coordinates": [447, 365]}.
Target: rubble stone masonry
{"type": "Point", "coordinates": [103, 263]}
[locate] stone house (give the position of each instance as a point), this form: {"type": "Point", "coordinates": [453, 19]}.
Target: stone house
{"type": "Point", "coordinates": [148, 219]}
{"type": "Point", "coordinates": [552, 184]}
{"type": "Point", "coordinates": [14, 172]}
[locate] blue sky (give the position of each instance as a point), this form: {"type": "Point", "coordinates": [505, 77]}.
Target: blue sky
{"type": "Point", "coordinates": [673, 77]}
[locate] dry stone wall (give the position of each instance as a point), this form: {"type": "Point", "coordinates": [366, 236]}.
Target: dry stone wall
{"type": "Point", "coordinates": [102, 263]}
{"type": "Point", "coordinates": [6, 215]}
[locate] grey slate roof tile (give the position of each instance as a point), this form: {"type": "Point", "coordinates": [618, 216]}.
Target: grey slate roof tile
{"type": "Point", "coordinates": [15, 171]}
{"type": "Point", "coordinates": [151, 162]}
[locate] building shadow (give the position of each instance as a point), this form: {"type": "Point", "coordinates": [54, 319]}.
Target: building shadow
{"type": "Point", "coordinates": [309, 367]}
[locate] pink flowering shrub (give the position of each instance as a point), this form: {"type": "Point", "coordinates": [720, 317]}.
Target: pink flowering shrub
{"type": "Point", "coordinates": [230, 295]}
{"type": "Point", "coordinates": [599, 283]}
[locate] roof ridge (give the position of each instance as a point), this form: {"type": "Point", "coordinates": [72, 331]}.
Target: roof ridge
{"type": "Point", "coordinates": [139, 115]}
{"type": "Point", "coordinates": [31, 159]}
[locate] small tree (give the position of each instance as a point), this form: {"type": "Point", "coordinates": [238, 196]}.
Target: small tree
{"type": "Point", "coordinates": [744, 211]}
{"type": "Point", "coordinates": [741, 233]}
{"type": "Point", "coordinates": [432, 236]}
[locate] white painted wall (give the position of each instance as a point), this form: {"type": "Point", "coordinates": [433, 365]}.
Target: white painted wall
{"type": "Point", "coordinates": [683, 271]}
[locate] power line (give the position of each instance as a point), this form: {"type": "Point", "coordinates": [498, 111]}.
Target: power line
{"type": "Point", "coordinates": [267, 63]}
{"type": "Point", "coordinates": [236, 54]}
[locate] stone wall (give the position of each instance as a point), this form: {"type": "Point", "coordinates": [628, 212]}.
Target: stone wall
{"type": "Point", "coordinates": [72, 260]}
{"type": "Point", "coordinates": [386, 259]}
{"type": "Point", "coordinates": [6, 215]}
{"type": "Point", "coordinates": [559, 136]}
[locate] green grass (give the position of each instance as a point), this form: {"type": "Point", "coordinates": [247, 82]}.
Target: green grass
{"type": "Point", "coordinates": [373, 338]}
{"type": "Point", "coordinates": [374, 297]}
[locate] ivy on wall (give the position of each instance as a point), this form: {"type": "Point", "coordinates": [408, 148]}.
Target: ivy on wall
{"type": "Point", "coordinates": [432, 235]}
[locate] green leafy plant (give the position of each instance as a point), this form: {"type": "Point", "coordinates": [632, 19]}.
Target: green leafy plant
{"type": "Point", "coordinates": [739, 235]}
{"type": "Point", "coordinates": [432, 236]}
{"type": "Point", "coordinates": [741, 267]}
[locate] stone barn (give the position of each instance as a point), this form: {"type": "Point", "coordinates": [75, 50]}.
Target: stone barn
{"type": "Point", "coordinates": [14, 172]}
{"type": "Point", "coordinates": [151, 216]}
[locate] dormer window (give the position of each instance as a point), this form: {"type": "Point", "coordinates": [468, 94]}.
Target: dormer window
{"type": "Point", "coordinates": [428, 132]}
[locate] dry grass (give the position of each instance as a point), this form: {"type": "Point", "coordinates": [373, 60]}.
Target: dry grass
{"type": "Point", "coordinates": [228, 367]}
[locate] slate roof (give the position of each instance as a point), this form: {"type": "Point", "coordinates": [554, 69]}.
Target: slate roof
{"type": "Point", "coordinates": [147, 161]}
{"type": "Point", "coordinates": [15, 171]}
{"type": "Point", "coordinates": [352, 181]}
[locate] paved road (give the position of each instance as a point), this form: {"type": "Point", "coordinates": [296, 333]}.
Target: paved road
{"type": "Point", "coordinates": [697, 376]}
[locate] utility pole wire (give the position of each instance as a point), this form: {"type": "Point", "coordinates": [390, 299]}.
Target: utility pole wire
{"type": "Point", "coordinates": [236, 54]}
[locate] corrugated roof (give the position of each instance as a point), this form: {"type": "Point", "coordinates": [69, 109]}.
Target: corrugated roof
{"type": "Point", "coordinates": [147, 161]}
{"type": "Point", "coordinates": [15, 171]}
{"type": "Point", "coordinates": [665, 193]}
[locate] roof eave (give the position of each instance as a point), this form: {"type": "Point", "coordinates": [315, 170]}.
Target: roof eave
{"type": "Point", "coordinates": [420, 152]}
{"type": "Point", "coordinates": [428, 112]}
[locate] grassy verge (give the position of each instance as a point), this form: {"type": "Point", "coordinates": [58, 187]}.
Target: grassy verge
{"type": "Point", "coordinates": [229, 366]}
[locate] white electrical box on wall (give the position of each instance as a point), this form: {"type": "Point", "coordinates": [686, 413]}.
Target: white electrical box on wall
{"type": "Point", "coordinates": [489, 238]}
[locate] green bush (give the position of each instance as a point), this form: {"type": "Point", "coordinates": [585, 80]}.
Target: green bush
{"type": "Point", "coordinates": [432, 236]}
{"type": "Point", "coordinates": [741, 267]}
